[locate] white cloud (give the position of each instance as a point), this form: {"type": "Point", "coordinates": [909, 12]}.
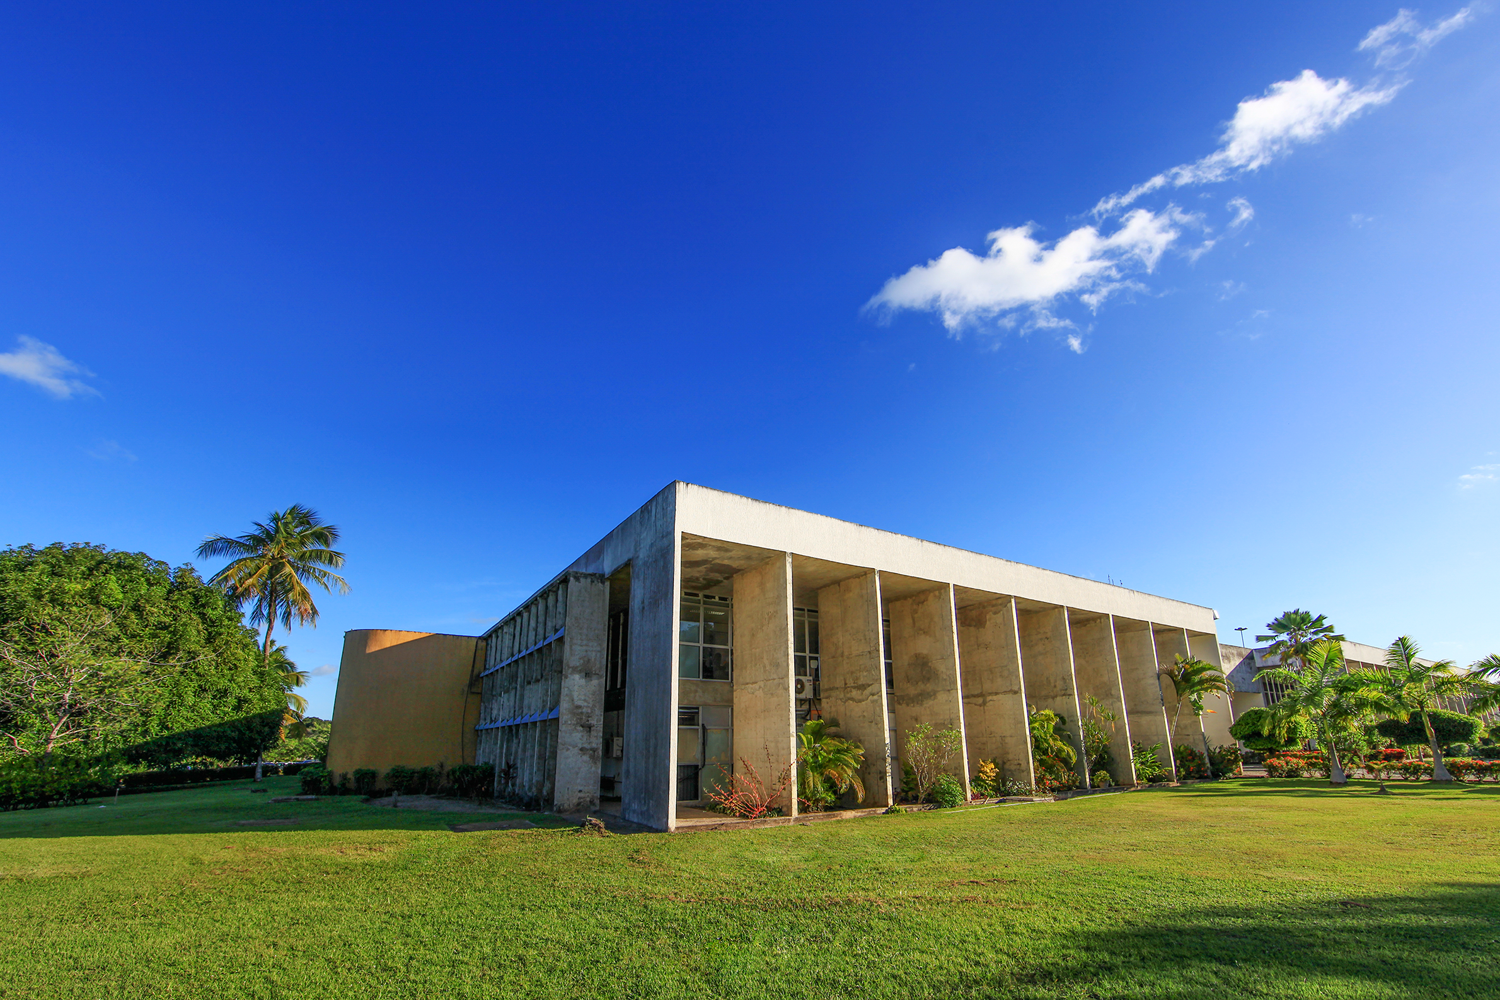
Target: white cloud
{"type": "Point", "coordinates": [1292, 112]}
{"type": "Point", "coordinates": [1229, 289]}
{"type": "Point", "coordinates": [43, 366]}
{"type": "Point", "coordinates": [1479, 475]}
{"type": "Point", "coordinates": [108, 451]}
{"type": "Point", "coordinates": [1020, 272]}
{"type": "Point", "coordinates": [325, 670]}
{"type": "Point", "coordinates": [1075, 343]}
{"type": "Point", "coordinates": [1242, 209]}
{"type": "Point", "coordinates": [1401, 39]}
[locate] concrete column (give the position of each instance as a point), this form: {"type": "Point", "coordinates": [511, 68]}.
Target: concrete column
{"type": "Point", "coordinates": [1142, 691]}
{"type": "Point", "coordinates": [924, 656]}
{"type": "Point", "coordinates": [1218, 713]}
{"type": "Point", "coordinates": [1047, 661]}
{"type": "Point", "coordinates": [1187, 727]}
{"type": "Point", "coordinates": [989, 652]}
{"type": "Point", "coordinates": [649, 767]}
{"type": "Point", "coordinates": [580, 709]}
{"type": "Point", "coordinates": [853, 675]}
{"type": "Point", "coordinates": [1096, 669]}
{"type": "Point", "coordinates": [765, 714]}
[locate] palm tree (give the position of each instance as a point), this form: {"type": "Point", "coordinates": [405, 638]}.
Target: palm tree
{"type": "Point", "coordinates": [1192, 679]}
{"type": "Point", "coordinates": [1484, 685]}
{"type": "Point", "coordinates": [271, 567]}
{"type": "Point", "coordinates": [827, 760]}
{"type": "Point", "coordinates": [1415, 687]}
{"type": "Point", "coordinates": [1292, 634]}
{"type": "Point", "coordinates": [1335, 699]}
{"type": "Point", "coordinates": [290, 677]}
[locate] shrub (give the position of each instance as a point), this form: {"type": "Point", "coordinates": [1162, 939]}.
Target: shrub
{"type": "Point", "coordinates": [1449, 727]}
{"type": "Point", "coordinates": [1414, 770]}
{"type": "Point", "coordinates": [401, 779]}
{"type": "Point", "coordinates": [927, 752]}
{"type": "Point", "coordinates": [1012, 787]}
{"type": "Point", "coordinates": [983, 780]}
{"type": "Point", "coordinates": [947, 792]}
{"type": "Point", "coordinates": [66, 782]}
{"type": "Point", "coordinates": [1224, 760]}
{"type": "Point", "coordinates": [1100, 779]}
{"type": "Point", "coordinates": [471, 780]}
{"type": "Point", "coordinates": [1247, 729]}
{"type": "Point", "coordinates": [315, 780]}
{"type": "Point", "coordinates": [1148, 766]}
{"type": "Point", "coordinates": [365, 780]}
{"type": "Point", "coordinates": [188, 776]}
{"type": "Point", "coordinates": [1190, 763]}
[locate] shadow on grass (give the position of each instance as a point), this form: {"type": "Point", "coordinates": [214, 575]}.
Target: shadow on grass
{"type": "Point", "coordinates": [234, 808]}
{"type": "Point", "coordinates": [1441, 944]}
{"type": "Point", "coordinates": [1357, 788]}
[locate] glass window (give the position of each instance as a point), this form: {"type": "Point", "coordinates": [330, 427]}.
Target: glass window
{"type": "Point", "coordinates": [688, 660]}
{"type": "Point", "coordinates": [715, 663]}
{"type": "Point", "coordinates": [715, 626]}
{"type": "Point", "coordinates": [688, 630]}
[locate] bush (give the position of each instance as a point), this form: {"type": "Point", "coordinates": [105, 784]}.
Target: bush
{"type": "Point", "coordinates": [1100, 779]}
{"type": "Point", "coordinates": [1012, 787]}
{"type": "Point", "coordinates": [1448, 727]}
{"type": "Point", "coordinates": [1148, 766]}
{"type": "Point", "coordinates": [1224, 760]}
{"type": "Point", "coordinates": [401, 779]}
{"type": "Point", "coordinates": [983, 780]}
{"type": "Point", "coordinates": [471, 780]}
{"type": "Point", "coordinates": [1247, 728]}
{"type": "Point", "coordinates": [315, 780]}
{"type": "Point", "coordinates": [947, 792]}
{"type": "Point", "coordinates": [189, 776]}
{"type": "Point", "coordinates": [28, 785]}
{"type": "Point", "coordinates": [1190, 763]}
{"type": "Point", "coordinates": [365, 780]}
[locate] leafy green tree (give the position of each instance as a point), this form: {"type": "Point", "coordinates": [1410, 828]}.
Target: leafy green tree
{"type": "Point", "coordinates": [1052, 751]}
{"type": "Point", "coordinates": [270, 569]}
{"type": "Point", "coordinates": [1335, 700]}
{"type": "Point", "coordinates": [1265, 729]}
{"type": "Point", "coordinates": [1415, 688]}
{"type": "Point", "coordinates": [1447, 727]}
{"type": "Point", "coordinates": [1292, 633]}
{"type": "Point", "coordinates": [145, 619]}
{"type": "Point", "coordinates": [1098, 724]}
{"type": "Point", "coordinates": [1192, 680]}
{"type": "Point", "coordinates": [828, 765]}
{"type": "Point", "coordinates": [928, 752]}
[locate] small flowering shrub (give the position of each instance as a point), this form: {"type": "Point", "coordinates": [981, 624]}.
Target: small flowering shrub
{"type": "Point", "coordinates": [1190, 763]}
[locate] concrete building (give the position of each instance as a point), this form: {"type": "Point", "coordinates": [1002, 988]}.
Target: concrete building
{"type": "Point", "coordinates": [703, 629]}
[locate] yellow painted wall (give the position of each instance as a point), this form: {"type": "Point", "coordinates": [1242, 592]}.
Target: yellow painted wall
{"type": "Point", "coordinates": [404, 698]}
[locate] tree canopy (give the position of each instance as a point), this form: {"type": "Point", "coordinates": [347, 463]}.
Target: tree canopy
{"type": "Point", "coordinates": [201, 660]}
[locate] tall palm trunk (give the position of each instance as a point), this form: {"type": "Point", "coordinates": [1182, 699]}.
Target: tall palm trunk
{"type": "Point", "coordinates": [1439, 770]}
{"type": "Point", "coordinates": [265, 654]}
{"type": "Point", "coordinates": [1336, 775]}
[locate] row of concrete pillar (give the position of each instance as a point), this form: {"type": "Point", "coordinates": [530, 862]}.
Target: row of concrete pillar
{"type": "Point", "coordinates": [975, 669]}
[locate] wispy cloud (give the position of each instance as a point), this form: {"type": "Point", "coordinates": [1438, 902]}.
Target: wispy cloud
{"type": "Point", "coordinates": [1403, 38]}
{"type": "Point", "coordinates": [323, 671]}
{"type": "Point", "coordinates": [44, 366]}
{"type": "Point", "coordinates": [1020, 281]}
{"type": "Point", "coordinates": [110, 451]}
{"type": "Point", "coordinates": [1479, 475]}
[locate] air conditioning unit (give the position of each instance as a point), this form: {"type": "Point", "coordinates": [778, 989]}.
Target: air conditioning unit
{"type": "Point", "coordinates": [802, 687]}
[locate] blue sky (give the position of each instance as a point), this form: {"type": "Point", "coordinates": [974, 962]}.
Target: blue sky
{"type": "Point", "coordinates": [476, 282]}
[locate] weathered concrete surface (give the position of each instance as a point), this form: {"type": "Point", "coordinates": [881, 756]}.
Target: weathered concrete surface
{"type": "Point", "coordinates": [924, 655]}
{"type": "Point", "coordinates": [1218, 713]}
{"type": "Point", "coordinates": [1143, 694]}
{"type": "Point", "coordinates": [1047, 658]}
{"type": "Point", "coordinates": [1096, 669]}
{"type": "Point", "coordinates": [989, 654]}
{"type": "Point", "coordinates": [765, 721]}
{"type": "Point", "coordinates": [1187, 728]}
{"type": "Point", "coordinates": [403, 698]}
{"type": "Point", "coordinates": [853, 675]}
{"type": "Point", "coordinates": [581, 704]}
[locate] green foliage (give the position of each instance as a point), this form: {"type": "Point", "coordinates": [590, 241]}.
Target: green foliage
{"type": "Point", "coordinates": [947, 792]}
{"type": "Point", "coordinates": [1293, 633]}
{"type": "Point", "coordinates": [1224, 761]}
{"type": "Point", "coordinates": [471, 780]}
{"type": "Point", "coordinates": [1098, 726]}
{"type": "Point", "coordinates": [1262, 729]}
{"type": "Point", "coordinates": [1052, 753]}
{"type": "Point", "coordinates": [240, 741]}
{"type": "Point", "coordinates": [1449, 727]}
{"type": "Point", "coordinates": [1100, 779]}
{"type": "Point", "coordinates": [1191, 763]}
{"type": "Point", "coordinates": [304, 739]}
{"type": "Point", "coordinates": [1148, 766]}
{"type": "Point", "coordinates": [34, 784]}
{"type": "Point", "coordinates": [927, 753]}
{"type": "Point", "coordinates": [204, 668]}
{"type": "Point", "coordinates": [365, 780]}
{"type": "Point", "coordinates": [827, 765]}
{"type": "Point", "coordinates": [1193, 680]}
{"type": "Point", "coordinates": [315, 780]}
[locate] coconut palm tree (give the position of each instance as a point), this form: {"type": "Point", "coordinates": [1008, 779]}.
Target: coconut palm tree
{"type": "Point", "coordinates": [1484, 685]}
{"type": "Point", "coordinates": [827, 765]}
{"type": "Point", "coordinates": [1414, 687]}
{"type": "Point", "coordinates": [291, 677]}
{"type": "Point", "coordinates": [1292, 633]}
{"type": "Point", "coordinates": [1192, 679]}
{"type": "Point", "coordinates": [270, 568]}
{"type": "Point", "coordinates": [1336, 700]}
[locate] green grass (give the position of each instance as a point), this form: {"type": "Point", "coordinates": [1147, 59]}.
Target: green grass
{"type": "Point", "coordinates": [1237, 889]}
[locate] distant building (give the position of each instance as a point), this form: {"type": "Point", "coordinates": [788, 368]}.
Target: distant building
{"type": "Point", "coordinates": [702, 630]}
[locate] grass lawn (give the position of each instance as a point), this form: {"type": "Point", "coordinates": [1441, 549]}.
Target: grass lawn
{"type": "Point", "coordinates": [1247, 888]}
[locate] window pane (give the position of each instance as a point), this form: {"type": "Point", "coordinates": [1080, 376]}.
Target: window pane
{"type": "Point", "coordinates": [687, 782]}
{"type": "Point", "coordinates": [715, 663]}
{"type": "Point", "coordinates": [688, 748]}
{"type": "Point", "coordinates": [812, 633]}
{"type": "Point", "coordinates": [799, 665]}
{"type": "Point", "coordinates": [687, 661]}
{"type": "Point", "coordinates": [717, 747]}
{"type": "Point", "coordinates": [799, 634]}
{"type": "Point", "coordinates": [715, 627]}
{"type": "Point", "coordinates": [689, 626]}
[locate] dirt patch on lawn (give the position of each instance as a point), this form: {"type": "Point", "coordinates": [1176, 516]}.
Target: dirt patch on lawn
{"type": "Point", "coordinates": [433, 803]}
{"type": "Point", "coordinates": [500, 824]}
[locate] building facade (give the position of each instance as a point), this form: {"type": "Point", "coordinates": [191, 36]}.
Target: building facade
{"type": "Point", "coordinates": [703, 630]}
